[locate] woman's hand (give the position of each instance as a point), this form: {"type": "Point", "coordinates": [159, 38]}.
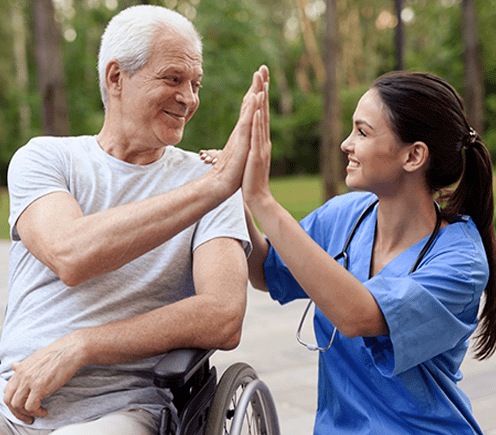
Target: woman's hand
{"type": "Point", "coordinates": [257, 170]}
{"type": "Point", "coordinates": [210, 156]}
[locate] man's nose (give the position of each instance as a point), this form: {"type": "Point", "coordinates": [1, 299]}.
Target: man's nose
{"type": "Point", "coordinates": [186, 94]}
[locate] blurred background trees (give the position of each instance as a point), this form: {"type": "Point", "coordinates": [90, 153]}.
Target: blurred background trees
{"type": "Point", "coordinates": [323, 54]}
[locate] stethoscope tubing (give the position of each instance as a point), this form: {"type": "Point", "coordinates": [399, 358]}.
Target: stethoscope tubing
{"type": "Point", "coordinates": [343, 254]}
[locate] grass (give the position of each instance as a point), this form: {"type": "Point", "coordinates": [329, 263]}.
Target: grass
{"type": "Point", "coordinates": [298, 194]}
{"type": "Point", "coordinates": [4, 213]}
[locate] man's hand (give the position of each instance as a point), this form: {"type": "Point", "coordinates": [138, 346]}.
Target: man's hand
{"type": "Point", "coordinates": [41, 374]}
{"type": "Point", "coordinates": [230, 164]}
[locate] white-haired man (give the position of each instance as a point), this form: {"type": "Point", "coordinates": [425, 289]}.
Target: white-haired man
{"type": "Point", "coordinates": [123, 246]}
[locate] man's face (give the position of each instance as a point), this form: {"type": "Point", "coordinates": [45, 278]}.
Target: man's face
{"type": "Point", "coordinates": [158, 100]}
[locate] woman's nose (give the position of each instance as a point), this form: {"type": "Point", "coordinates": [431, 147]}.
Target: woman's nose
{"type": "Point", "coordinates": [346, 145]}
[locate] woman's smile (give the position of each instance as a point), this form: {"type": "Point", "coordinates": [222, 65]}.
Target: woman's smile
{"type": "Point", "coordinates": [352, 164]}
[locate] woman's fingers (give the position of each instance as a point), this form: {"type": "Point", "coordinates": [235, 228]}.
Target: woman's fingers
{"type": "Point", "coordinates": [256, 175]}
{"type": "Point", "coordinates": [260, 77]}
{"type": "Point", "coordinates": [266, 113]}
{"type": "Point", "coordinates": [210, 156]}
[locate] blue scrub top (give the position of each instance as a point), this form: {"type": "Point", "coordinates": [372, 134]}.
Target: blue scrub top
{"type": "Point", "coordinates": [405, 382]}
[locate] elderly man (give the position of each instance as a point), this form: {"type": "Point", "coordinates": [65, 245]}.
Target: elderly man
{"type": "Point", "coordinates": [124, 247]}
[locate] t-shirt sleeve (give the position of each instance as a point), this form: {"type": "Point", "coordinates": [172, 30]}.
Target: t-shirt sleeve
{"type": "Point", "coordinates": [35, 170]}
{"type": "Point", "coordinates": [226, 220]}
{"type": "Point", "coordinates": [432, 310]}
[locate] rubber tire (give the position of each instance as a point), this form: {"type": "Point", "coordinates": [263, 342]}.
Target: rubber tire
{"type": "Point", "coordinates": [222, 409]}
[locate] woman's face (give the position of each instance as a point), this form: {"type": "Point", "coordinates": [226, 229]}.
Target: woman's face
{"type": "Point", "coordinates": [375, 155]}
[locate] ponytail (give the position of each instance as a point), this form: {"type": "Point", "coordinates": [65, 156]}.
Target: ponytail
{"type": "Point", "coordinates": [423, 107]}
{"type": "Point", "coordinates": [474, 196]}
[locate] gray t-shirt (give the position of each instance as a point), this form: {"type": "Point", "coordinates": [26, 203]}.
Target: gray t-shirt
{"type": "Point", "coordinates": [41, 308]}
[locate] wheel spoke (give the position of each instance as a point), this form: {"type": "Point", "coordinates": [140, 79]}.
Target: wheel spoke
{"type": "Point", "coordinates": [226, 402]}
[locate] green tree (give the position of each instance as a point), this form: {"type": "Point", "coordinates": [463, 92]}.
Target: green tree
{"type": "Point", "coordinates": [330, 154]}
{"type": "Point", "coordinates": [50, 69]}
{"type": "Point", "coordinates": [474, 82]}
{"type": "Point", "coordinates": [238, 36]}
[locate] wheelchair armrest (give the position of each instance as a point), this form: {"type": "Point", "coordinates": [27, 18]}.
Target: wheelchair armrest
{"type": "Point", "coordinates": [178, 366]}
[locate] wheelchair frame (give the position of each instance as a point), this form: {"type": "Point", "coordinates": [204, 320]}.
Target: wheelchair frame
{"type": "Point", "coordinates": [240, 403]}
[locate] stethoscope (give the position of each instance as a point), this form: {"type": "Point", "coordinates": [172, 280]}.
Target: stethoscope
{"type": "Point", "coordinates": [343, 254]}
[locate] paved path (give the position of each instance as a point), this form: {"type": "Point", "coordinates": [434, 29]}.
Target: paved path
{"type": "Point", "coordinates": [290, 370]}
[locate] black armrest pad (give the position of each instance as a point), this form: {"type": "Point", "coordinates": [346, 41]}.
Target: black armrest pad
{"type": "Point", "coordinates": [177, 366]}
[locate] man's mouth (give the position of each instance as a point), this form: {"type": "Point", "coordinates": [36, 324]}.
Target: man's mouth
{"type": "Point", "coordinates": [177, 116]}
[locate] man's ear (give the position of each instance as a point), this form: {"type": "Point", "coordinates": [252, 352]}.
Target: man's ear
{"type": "Point", "coordinates": [113, 77]}
{"type": "Point", "coordinates": [416, 157]}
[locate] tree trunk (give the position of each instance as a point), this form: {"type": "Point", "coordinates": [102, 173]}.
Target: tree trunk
{"type": "Point", "coordinates": [50, 71]}
{"type": "Point", "coordinates": [330, 153]}
{"type": "Point", "coordinates": [311, 43]}
{"type": "Point", "coordinates": [399, 35]}
{"type": "Point", "coordinates": [21, 64]}
{"type": "Point", "coordinates": [474, 80]}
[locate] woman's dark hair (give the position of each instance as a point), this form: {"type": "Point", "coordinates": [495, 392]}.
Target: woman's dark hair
{"type": "Point", "coordinates": [423, 107]}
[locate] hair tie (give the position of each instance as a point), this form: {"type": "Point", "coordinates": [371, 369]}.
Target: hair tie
{"type": "Point", "coordinates": [470, 139]}
{"type": "Point", "coordinates": [472, 135]}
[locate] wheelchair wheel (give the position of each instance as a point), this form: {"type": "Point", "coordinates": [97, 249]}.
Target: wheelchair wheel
{"type": "Point", "coordinates": [259, 413]}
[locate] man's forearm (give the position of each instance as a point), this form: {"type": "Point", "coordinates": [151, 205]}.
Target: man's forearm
{"type": "Point", "coordinates": [88, 246]}
{"type": "Point", "coordinates": [197, 323]}
{"type": "Point", "coordinates": [212, 319]}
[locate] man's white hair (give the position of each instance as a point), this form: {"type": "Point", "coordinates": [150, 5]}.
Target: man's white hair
{"type": "Point", "coordinates": [130, 34]}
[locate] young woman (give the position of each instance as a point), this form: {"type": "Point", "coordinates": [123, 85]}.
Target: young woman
{"type": "Point", "coordinates": [401, 301]}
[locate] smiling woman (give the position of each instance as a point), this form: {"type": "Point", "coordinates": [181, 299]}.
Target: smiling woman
{"type": "Point", "coordinates": [378, 163]}
{"type": "Point", "coordinates": [396, 281]}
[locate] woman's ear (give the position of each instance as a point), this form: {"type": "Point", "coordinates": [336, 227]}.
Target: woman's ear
{"type": "Point", "coordinates": [416, 157]}
{"type": "Point", "coordinates": [113, 77]}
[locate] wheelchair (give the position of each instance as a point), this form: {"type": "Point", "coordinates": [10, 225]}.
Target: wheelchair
{"type": "Point", "coordinates": [240, 403]}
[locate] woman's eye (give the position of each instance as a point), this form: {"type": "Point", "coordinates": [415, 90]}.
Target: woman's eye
{"type": "Point", "coordinates": [361, 132]}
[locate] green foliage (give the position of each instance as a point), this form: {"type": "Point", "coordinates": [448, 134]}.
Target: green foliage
{"type": "Point", "coordinates": [487, 17]}
{"type": "Point", "coordinates": [239, 36]}
{"type": "Point", "coordinates": [434, 44]}
{"type": "Point", "coordinates": [296, 138]}
{"type": "Point", "coordinates": [231, 31]}
{"type": "Point", "coordinates": [85, 107]}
